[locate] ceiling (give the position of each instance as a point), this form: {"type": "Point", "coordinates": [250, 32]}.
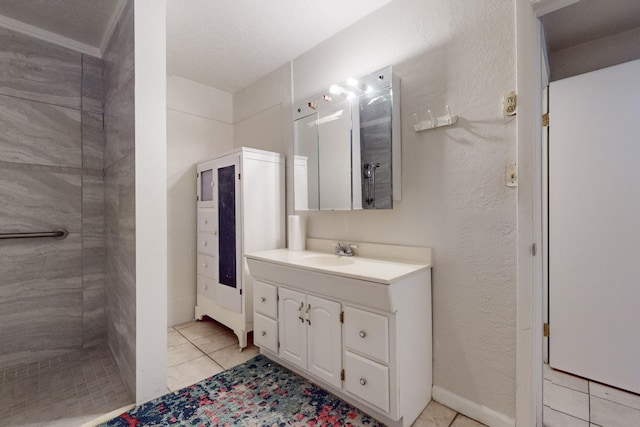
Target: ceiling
{"type": "Point", "coordinates": [589, 20]}
{"type": "Point", "coordinates": [226, 44]}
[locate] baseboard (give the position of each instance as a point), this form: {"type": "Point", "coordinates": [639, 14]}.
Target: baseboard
{"type": "Point", "coordinates": [471, 409]}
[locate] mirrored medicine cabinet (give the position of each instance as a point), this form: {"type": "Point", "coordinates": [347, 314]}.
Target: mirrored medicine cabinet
{"type": "Point", "coordinates": [347, 145]}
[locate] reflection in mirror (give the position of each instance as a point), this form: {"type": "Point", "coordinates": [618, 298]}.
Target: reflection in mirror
{"type": "Point", "coordinates": [347, 151]}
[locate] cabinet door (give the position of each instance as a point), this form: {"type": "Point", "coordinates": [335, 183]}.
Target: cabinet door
{"type": "Point", "coordinates": [324, 339]}
{"type": "Point", "coordinates": [226, 194]}
{"type": "Point", "coordinates": [205, 185]}
{"type": "Point", "coordinates": [292, 327]}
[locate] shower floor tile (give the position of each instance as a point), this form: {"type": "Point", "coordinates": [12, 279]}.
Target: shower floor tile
{"type": "Point", "coordinates": [66, 390]}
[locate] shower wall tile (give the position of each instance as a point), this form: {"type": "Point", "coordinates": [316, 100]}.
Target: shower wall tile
{"type": "Point", "coordinates": [40, 201]}
{"type": "Point", "coordinates": [120, 281]}
{"type": "Point", "coordinates": [36, 133]}
{"type": "Point", "coordinates": [119, 91]}
{"type": "Point", "coordinates": [92, 140]}
{"type": "Point", "coordinates": [41, 291]}
{"type": "Point", "coordinates": [93, 259]}
{"type": "Point", "coordinates": [92, 87]}
{"type": "Point", "coordinates": [40, 71]}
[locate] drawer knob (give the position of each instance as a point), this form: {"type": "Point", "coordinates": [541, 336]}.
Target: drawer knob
{"type": "Point", "coordinates": [363, 381]}
{"type": "Point", "coordinates": [204, 243]}
{"type": "Point", "coordinates": [262, 299]}
{"type": "Point", "coordinates": [206, 221]}
{"type": "Point", "coordinates": [215, 232]}
{"type": "Point", "coordinates": [362, 334]}
{"type": "Point", "coordinates": [205, 265]}
{"type": "Point", "coordinates": [263, 333]}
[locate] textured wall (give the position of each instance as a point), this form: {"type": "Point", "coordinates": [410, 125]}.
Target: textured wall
{"type": "Point", "coordinates": [454, 197]}
{"type": "Point", "coordinates": [199, 127]}
{"type": "Point", "coordinates": [51, 142]}
{"type": "Point", "coordinates": [119, 196]}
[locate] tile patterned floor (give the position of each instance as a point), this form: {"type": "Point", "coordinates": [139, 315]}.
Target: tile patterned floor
{"type": "Point", "coordinates": [197, 350]}
{"type": "Point", "coordinates": [571, 401]}
{"type": "Point", "coordinates": [67, 390]}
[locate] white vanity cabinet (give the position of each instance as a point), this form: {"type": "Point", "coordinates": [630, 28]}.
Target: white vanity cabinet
{"type": "Point", "coordinates": [310, 334]}
{"type": "Point", "coordinates": [241, 208]}
{"type": "Point", "coordinates": [360, 328]}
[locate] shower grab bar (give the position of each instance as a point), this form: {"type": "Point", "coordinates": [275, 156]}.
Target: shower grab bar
{"type": "Point", "coordinates": [57, 234]}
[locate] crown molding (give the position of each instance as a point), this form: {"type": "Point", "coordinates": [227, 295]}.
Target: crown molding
{"type": "Point", "coordinates": [111, 26]}
{"type": "Point", "coordinates": [48, 36]}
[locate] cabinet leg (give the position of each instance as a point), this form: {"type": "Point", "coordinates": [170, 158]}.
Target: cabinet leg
{"type": "Point", "coordinates": [242, 338]}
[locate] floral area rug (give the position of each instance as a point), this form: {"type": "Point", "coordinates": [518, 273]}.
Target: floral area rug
{"type": "Point", "coordinates": [258, 393]}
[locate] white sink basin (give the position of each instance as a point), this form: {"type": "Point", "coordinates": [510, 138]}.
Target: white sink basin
{"type": "Point", "coordinates": [326, 260]}
{"type": "Point", "coordinates": [374, 270]}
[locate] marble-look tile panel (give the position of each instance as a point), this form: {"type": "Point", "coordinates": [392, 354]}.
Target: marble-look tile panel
{"type": "Point", "coordinates": [37, 133]}
{"type": "Point", "coordinates": [39, 201]}
{"type": "Point", "coordinates": [40, 297]}
{"type": "Point", "coordinates": [614, 395]}
{"type": "Point", "coordinates": [93, 206]}
{"type": "Point", "coordinates": [462, 421]}
{"type": "Point", "coordinates": [435, 415]}
{"type": "Point", "coordinates": [40, 71]}
{"type": "Point", "coordinates": [229, 356]}
{"type": "Point", "coordinates": [93, 140]}
{"type": "Point", "coordinates": [94, 328]}
{"type": "Point", "coordinates": [552, 418]}
{"type": "Point", "coordinates": [191, 372]}
{"type": "Point", "coordinates": [120, 296]}
{"type": "Point", "coordinates": [92, 87]}
{"type": "Point", "coordinates": [609, 414]}
{"type": "Point", "coordinates": [119, 90]}
{"type": "Point", "coordinates": [566, 400]}
{"type": "Point", "coordinates": [565, 380]}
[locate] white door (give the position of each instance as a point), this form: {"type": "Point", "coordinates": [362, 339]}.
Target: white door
{"type": "Point", "coordinates": [292, 327]}
{"type": "Point", "coordinates": [324, 339]}
{"type": "Point", "coordinates": [594, 225]}
{"type": "Point", "coordinates": [226, 196]}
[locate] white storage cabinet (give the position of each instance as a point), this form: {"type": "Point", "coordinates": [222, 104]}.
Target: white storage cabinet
{"type": "Point", "coordinates": [241, 208]}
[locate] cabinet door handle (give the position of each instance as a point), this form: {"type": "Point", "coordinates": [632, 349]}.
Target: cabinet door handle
{"type": "Point", "coordinates": [362, 334]}
{"type": "Point", "coordinates": [307, 313]}
{"type": "Point", "coordinates": [300, 311]}
{"type": "Point", "coordinates": [263, 333]}
{"type": "Point", "coordinates": [262, 299]}
{"type": "Point", "coordinates": [363, 381]}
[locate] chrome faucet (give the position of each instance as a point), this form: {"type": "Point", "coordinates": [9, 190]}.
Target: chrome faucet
{"type": "Point", "coordinates": [346, 250]}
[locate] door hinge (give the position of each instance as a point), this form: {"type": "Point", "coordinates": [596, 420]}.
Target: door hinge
{"type": "Point", "coordinates": [545, 120]}
{"type": "Point", "coordinates": [342, 317]}
{"type": "Point", "coordinates": [238, 176]}
{"type": "Point", "coordinates": [534, 249]}
{"type": "Point", "coordinates": [545, 330]}
{"type": "Point", "coordinates": [342, 375]}
{"type": "Point", "coordinates": [197, 198]}
{"type": "Point", "coordinates": [278, 344]}
{"type": "Point", "coordinates": [240, 291]}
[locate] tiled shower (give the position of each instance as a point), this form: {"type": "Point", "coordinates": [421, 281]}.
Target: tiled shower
{"type": "Point", "coordinates": [66, 162]}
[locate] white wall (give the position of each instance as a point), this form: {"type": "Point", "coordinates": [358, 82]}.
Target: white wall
{"type": "Point", "coordinates": [199, 126]}
{"type": "Point", "coordinates": [595, 55]}
{"type": "Point", "coordinates": [454, 197]}
{"type": "Point", "coordinates": [151, 198]}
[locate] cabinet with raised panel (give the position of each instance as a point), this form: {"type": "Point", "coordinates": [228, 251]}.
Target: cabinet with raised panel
{"type": "Point", "coordinates": [240, 208]}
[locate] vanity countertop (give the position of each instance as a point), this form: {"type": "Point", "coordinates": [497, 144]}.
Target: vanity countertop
{"type": "Point", "coordinates": [356, 267]}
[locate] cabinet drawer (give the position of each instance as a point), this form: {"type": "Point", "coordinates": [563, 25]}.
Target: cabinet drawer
{"type": "Point", "coordinates": [207, 266]}
{"type": "Point", "coordinates": [206, 287]}
{"type": "Point", "coordinates": [367, 333]}
{"type": "Point", "coordinates": [265, 332]}
{"type": "Point", "coordinates": [208, 243]}
{"type": "Point", "coordinates": [265, 299]}
{"type": "Point", "coordinates": [207, 220]}
{"type": "Point", "coordinates": [367, 379]}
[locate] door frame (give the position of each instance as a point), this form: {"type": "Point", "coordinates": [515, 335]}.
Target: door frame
{"type": "Point", "coordinates": [529, 72]}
